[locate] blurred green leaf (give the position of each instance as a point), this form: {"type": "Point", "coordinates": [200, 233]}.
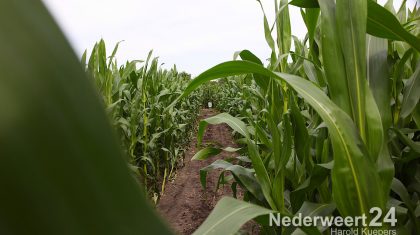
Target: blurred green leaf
{"type": "Point", "coordinates": [61, 169]}
{"type": "Point", "coordinates": [411, 93]}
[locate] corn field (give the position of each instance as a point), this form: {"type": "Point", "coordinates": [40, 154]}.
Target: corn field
{"type": "Point", "coordinates": [327, 125]}
{"type": "Point", "coordinates": [135, 98]}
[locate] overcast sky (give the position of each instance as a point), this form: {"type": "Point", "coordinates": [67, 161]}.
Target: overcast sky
{"type": "Point", "coordinates": [193, 34]}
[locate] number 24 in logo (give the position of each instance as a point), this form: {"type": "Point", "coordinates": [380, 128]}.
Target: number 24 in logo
{"type": "Point", "coordinates": [388, 218]}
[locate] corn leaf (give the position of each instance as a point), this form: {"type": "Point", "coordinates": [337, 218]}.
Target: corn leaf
{"type": "Point", "coordinates": [380, 22]}
{"type": "Point", "coordinates": [206, 153]}
{"type": "Point", "coordinates": [356, 188]}
{"type": "Point", "coordinates": [352, 39]}
{"type": "Point", "coordinates": [218, 164]}
{"type": "Point", "coordinates": [411, 93]}
{"type": "Point", "coordinates": [228, 216]}
{"type": "Point", "coordinates": [380, 85]}
{"type": "Point", "coordinates": [240, 127]}
{"type": "Point", "coordinates": [333, 59]}
{"type": "Point", "coordinates": [61, 169]}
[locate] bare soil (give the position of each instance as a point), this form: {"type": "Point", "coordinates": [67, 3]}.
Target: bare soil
{"type": "Point", "coordinates": [185, 204]}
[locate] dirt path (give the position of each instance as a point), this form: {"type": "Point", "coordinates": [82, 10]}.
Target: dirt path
{"type": "Point", "coordinates": [184, 204]}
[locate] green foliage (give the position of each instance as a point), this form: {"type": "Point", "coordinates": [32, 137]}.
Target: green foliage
{"type": "Point", "coordinates": [334, 122]}
{"type": "Point", "coordinates": [61, 168]}
{"type": "Point", "coordinates": [331, 128]}
{"type": "Point", "coordinates": [136, 95]}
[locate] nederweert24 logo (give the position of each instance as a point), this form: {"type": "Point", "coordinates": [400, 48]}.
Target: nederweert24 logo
{"type": "Point", "coordinates": [342, 225]}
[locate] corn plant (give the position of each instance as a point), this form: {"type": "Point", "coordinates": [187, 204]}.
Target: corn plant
{"type": "Point", "coordinates": [62, 170]}
{"type": "Point", "coordinates": [336, 129]}
{"type": "Point", "coordinates": [136, 96]}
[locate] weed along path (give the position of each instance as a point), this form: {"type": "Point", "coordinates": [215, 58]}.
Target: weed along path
{"type": "Point", "coordinates": [185, 204]}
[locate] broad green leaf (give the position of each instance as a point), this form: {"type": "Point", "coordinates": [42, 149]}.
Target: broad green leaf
{"type": "Point", "coordinates": [218, 164]}
{"type": "Point", "coordinates": [378, 76]}
{"type": "Point", "coordinates": [376, 141]}
{"type": "Point", "coordinates": [333, 59]}
{"type": "Point", "coordinates": [261, 81]}
{"type": "Point", "coordinates": [246, 177]}
{"type": "Point", "coordinates": [352, 172]}
{"type": "Point", "coordinates": [247, 55]}
{"type": "Point", "coordinates": [228, 216]}
{"type": "Point", "coordinates": [411, 93]}
{"type": "Point", "coordinates": [236, 124]}
{"type": "Point", "coordinates": [61, 169]}
{"type": "Point", "coordinates": [305, 3]}
{"type": "Point", "coordinates": [311, 20]}
{"type": "Point", "coordinates": [206, 153]}
{"type": "Point", "coordinates": [382, 23]}
{"type": "Point", "coordinates": [231, 150]}
{"type": "Point", "coordinates": [374, 127]}
{"type": "Point", "coordinates": [380, 85]}
{"type": "Point", "coordinates": [353, 14]}
{"type": "Point", "coordinates": [356, 188]}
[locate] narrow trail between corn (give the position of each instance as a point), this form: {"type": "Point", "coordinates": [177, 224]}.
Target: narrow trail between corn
{"type": "Point", "coordinates": [185, 204]}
